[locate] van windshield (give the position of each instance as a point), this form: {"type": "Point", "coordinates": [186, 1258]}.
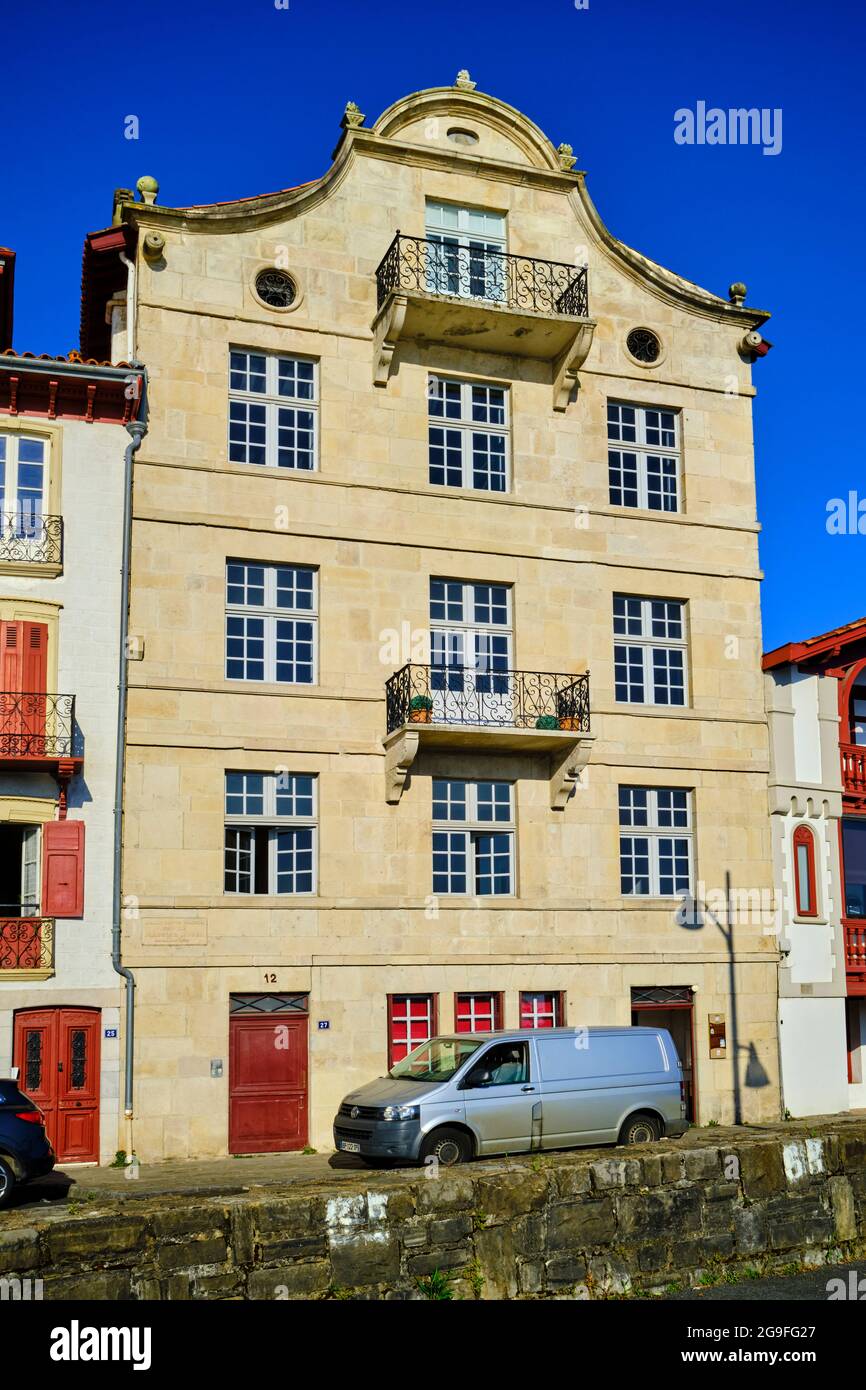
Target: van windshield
{"type": "Point", "coordinates": [436, 1060]}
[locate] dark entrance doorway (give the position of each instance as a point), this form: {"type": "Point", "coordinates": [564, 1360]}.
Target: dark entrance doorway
{"type": "Point", "coordinates": [671, 1007]}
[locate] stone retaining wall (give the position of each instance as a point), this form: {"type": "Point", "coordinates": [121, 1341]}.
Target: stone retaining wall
{"type": "Point", "coordinates": [564, 1225]}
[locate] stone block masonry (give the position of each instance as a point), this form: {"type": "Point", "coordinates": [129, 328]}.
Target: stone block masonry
{"type": "Point", "coordinates": [571, 1225]}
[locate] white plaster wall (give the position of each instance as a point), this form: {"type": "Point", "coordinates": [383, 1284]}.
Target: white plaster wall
{"type": "Point", "coordinates": [807, 740]}
{"type": "Point", "coordinates": [89, 623]}
{"type": "Point", "coordinates": [857, 1090]}
{"type": "Point", "coordinates": [814, 1056]}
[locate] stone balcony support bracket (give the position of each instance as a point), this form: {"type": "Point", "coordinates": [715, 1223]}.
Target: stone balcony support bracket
{"type": "Point", "coordinates": [401, 750]}
{"type": "Point", "coordinates": [387, 329]}
{"type": "Point", "coordinates": [569, 363]}
{"type": "Point", "coordinates": [565, 770]}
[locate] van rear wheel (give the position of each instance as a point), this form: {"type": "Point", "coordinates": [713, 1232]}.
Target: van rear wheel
{"type": "Point", "coordinates": [447, 1146]}
{"type": "Point", "coordinates": [640, 1129]}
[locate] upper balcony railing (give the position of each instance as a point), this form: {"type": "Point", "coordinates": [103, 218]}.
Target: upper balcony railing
{"type": "Point", "coordinates": [853, 768]}
{"type": "Point", "coordinates": [36, 726]}
{"type": "Point", "coordinates": [26, 943]}
{"type": "Point", "coordinates": [476, 273]}
{"type": "Point", "coordinates": [31, 540]}
{"type": "Point", "coordinates": [470, 697]}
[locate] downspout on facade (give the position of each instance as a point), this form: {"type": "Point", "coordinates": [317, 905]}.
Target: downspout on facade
{"type": "Point", "coordinates": [137, 430]}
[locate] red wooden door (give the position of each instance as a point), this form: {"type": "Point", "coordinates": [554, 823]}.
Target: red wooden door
{"type": "Point", "coordinates": [57, 1053]}
{"type": "Point", "coordinates": [23, 675]}
{"type": "Point", "coordinates": [267, 1083]}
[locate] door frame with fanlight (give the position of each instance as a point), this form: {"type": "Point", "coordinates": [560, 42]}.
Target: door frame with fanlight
{"type": "Point", "coordinates": [648, 1011]}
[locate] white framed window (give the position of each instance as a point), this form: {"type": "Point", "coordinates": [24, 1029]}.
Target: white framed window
{"type": "Point", "coordinates": [23, 484]}
{"type": "Point", "coordinates": [466, 257]}
{"type": "Point", "coordinates": [270, 832]}
{"type": "Point", "coordinates": [650, 650]}
{"type": "Point", "coordinates": [273, 410]}
{"type": "Point", "coordinates": [477, 1013]}
{"type": "Point", "coordinates": [470, 651]}
{"type": "Point", "coordinates": [473, 838]}
{"type": "Point", "coordinates": [271, 623]}
{"type": "Point", "coordinates": [468, 435]}
{"type": "Point", "coordinates": [655, 842]}
{"type": "Point", "coordinates": [643, 457]}
{"type": "Point", "coordinates": [411, 1022]}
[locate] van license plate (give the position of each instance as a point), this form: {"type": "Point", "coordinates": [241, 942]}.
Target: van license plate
{"type": "Point", "coordinates": [349, 1148]}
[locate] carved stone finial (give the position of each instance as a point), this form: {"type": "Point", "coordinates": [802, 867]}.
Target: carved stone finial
{"type": "Point", "coordinates": [464, 81]}
{"type": "Point", "coordinates": [148, 188]}
{"type": "Point", "coordinates": [121, 196]}
{"type": "Point", "coordinates": [737, 293]}
{"type": "Point", "coordinates": [567, 158]}
{"type": "Point", "coordinates": [352, 117]}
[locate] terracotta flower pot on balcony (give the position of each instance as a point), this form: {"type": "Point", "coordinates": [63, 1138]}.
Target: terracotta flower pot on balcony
{"type": "Point", "coordinates": [567, 721]}
{"type": "Point", "coordinates": [420, 709]}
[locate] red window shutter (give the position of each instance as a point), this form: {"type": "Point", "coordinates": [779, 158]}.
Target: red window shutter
{"type": "Point", "coordinates": [63, 868]}
{"type": "Point", "coordinates": [10, 657]}
{"type": "Point", "coordinates": [34, 657]}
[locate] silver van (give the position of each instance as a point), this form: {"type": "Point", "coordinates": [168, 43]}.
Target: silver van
{"type": "Point", "coordinates": [471, 1094]}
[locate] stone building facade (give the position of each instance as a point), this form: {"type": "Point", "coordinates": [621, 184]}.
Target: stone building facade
{"type": "Point", "coordinates": [411, 474]}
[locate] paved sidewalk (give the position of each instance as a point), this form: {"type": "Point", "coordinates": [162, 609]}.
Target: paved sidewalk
{"type": "Point", "coordinates": [72, 1182]}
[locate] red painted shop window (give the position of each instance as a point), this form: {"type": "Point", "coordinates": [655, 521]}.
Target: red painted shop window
{"type": "Point", "coordinates": [411, 1021]}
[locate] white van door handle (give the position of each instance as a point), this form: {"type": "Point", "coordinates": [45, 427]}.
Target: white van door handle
{"type": "Point", "coordinates": [527, 1088]}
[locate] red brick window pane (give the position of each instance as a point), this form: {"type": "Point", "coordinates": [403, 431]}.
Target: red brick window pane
{"type": "Point", "coordinates": [475, 1013]}
{"type": "Point", "coordinates": [411, 1023]}
{"type": "Point", "coordinates": [539, 1010]}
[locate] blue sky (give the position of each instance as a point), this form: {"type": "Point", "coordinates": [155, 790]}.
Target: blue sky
{"type": "Point", "coordinates": [236, 99]}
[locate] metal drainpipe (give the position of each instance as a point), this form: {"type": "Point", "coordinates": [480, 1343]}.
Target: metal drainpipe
{"type": "Point", "coordinates": [137, 429]}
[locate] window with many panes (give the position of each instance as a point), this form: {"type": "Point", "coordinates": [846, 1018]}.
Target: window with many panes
{"type": "Point", "coordinates": [411, 1022]}
{"type": "Point", "coordinates": [650, 650]}
{"type": "Point", "coordinates": [273, 408]}
{"type": "Point", "coordinates": [542, 1009]}
{"type": "Point", "coordinates": [643, 457]}
{"type": "Point", "coordinates": [470, 648]}
{"type": "Point", "coordinates": [468, 435]}
{"type": "Point", "coordinates": [23, 484]}
{"type": "Point", "coordinates": [655, 841]}
{"type": "Point", "coordinates": [465, 251]}
{"type": "Point", "coordinates": [270, 623]}
{"type": "Point", "coordinates": [473, 837]}
{"type": "Point", "coordinates": [270, 832]}
{"type": "Point", "coordinates": [477, 1013]}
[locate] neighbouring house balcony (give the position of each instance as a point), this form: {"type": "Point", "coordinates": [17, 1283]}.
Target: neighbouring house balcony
{"type": "Point", "coordinates": [31, 542]}
{"type": "Point", "coordinates": [37, 730]}
{"type": "Point", "coordinates": [488, 711]}
{"type": "Point", "coordinates": [853, 769]}
{"type": "Point", "coordinates": [488, 300]}
{"type": "Point", "coordinates": [855, 955]}
{"type": "Point", "coordinates": [26, 944]}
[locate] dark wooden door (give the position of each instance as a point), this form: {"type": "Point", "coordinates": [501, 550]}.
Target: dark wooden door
{"type": "Point", "coordinates": [267, 1083]}
{"type": "Point", "coordinates": [57, 1053]}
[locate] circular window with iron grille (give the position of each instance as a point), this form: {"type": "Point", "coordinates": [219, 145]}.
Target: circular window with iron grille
{"type": "Point", "coordinates": [644, 346]}
{"type": "Point", "coordinates": [276, 288]}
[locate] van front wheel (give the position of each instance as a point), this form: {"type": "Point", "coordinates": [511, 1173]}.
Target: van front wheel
{"type": "Point", "coordinates": [447, 1146]}
{"type": "Point", "coordinates": [640, 1129]}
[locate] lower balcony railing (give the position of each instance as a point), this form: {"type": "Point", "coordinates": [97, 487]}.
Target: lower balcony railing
{"type": "Point", "coordinates": [26, 943]}
{"type": "Point", "coordinates": [853, 768]}
{"type": "Point", "coordinates": [31, 539]}
{"type": "Point", "coordinates": [471, 697]}
{"type": "Point", "coordinates": [36, 726]}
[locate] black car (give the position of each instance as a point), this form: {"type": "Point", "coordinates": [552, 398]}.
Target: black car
{"type": "Point", "coordinates": [25, 1151]}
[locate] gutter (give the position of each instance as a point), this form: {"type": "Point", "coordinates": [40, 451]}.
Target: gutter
{"type": "Point", "coordinates": [137, 429]}
{"type": "Point", "coordinates": [41, 366]}
{"type": "Point", "coordinates": [131, 305]}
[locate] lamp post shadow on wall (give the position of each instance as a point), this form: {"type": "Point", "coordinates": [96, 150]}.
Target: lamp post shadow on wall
{"type": "Point", "coordinates": [692, 917]}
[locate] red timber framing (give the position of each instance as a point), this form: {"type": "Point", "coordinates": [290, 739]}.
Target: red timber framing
{"type": "Point", "coordinates": [841, 654]}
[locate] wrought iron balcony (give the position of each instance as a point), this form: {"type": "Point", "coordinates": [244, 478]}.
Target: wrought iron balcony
{"type": "Point", "coordinates": [31, 540]}
{"type": "Point", "coordinates": [488, 300]}
{"type": "Point", "coordinates": [36, 727]}
{"type": "Point", "coordinates": [853, 769]}
{"type": "Point", "coordinates": [471, 697]}
{"type": "Point", "coordinates": [474, 272]}
{"type": "Point", "coordinates": [26, 943]}
{"type": "Point", "coordinates": [485, 710]}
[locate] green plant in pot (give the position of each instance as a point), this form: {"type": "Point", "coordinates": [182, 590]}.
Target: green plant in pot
{"type": "Point", "coordinates": [420, 709]}
{"type": "Point", "coordinates": [547, 721]}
